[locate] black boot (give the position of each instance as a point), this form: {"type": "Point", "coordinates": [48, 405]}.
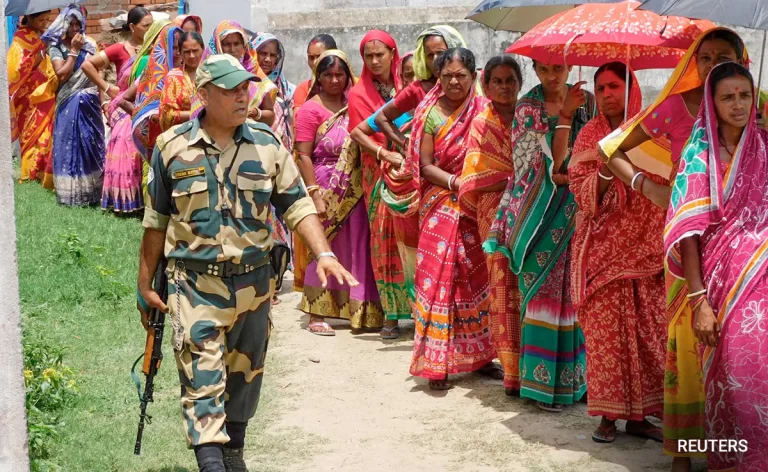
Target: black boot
{"type": "Point", "coordinates": [233, 460]}
{"type": "Point", "coordinates": [210, 458]}
{"type": "Point", "coordinates": [233, 450]}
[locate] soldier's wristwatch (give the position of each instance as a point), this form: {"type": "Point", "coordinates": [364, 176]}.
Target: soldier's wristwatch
{"type": "Point", "coordinates": [327, 254]}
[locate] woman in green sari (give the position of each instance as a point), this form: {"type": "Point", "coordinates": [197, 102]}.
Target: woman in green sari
{"type": "Point", "coordinates": [533, 228]}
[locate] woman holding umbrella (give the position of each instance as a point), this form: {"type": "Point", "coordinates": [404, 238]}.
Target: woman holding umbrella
{"type": "Point", "coordinates": [662, 131]}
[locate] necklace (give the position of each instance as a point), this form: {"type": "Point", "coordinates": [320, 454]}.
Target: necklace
{"type": "Point", "coordinates": [386, 92]}
{"type": "Point", "coordinates": [130, 48]}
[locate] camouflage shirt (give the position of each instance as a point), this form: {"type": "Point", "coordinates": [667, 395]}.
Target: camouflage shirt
{"type": "Point", "coordinates": [213, 203]}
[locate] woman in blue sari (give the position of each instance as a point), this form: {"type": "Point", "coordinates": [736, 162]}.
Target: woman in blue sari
{"type": "Point", "coordinates": [78, 133]}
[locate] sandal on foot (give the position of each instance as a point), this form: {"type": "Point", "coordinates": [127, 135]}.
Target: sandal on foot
{"type": "Point", "coordinates": [492, 370]}
{"type": "Point", "coordinates": [646, 431]}
{"type": "Point", "coordinates": [321, 328]}
{"type": "Point", "coordinates": [275, 301]}
{"type": "Point", "coordinates": [512, 392]}
{"type": "Point", "coordinates": [553, 408]}
{"type": "Point", "coordinates": [604, 434]}
{"type": "Point", "coordinates": [439, 384]}
{"type": "Point", "coordinates": [390, 333]}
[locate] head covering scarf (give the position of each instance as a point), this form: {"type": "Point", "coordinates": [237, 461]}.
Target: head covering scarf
{"type": "Point", "coordinates": [725, 205]}
{"type": "Point", "coordinates": [250, 59]}
{"type": "Point", "coordinates": [314, 86]}
{"type": "Point", "coordinates": [452, 38]}
{"type": "Point", "coordinates": [365, 97]}
{"type": "Point", "coordinates": [598, 258]}
{"type": "Point", "coordinates": [400, 80]}
{"type": "Point", "coordinates": [704, 185]}
{"type": "Point", "coordinates": [285, 89]}
{"type": "Point", "coordinates": [684, 78]}
{"type": "Point", "coordinates": [149, 42]}
{"type": "Point", "coordinates": [55, 33]}
{"type": "Point", "coordinates": [179, 21]}
{"type": "Point", "coordinates": [150, 89]}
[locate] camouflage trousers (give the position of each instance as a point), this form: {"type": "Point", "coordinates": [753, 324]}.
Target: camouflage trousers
{"type": "Point", "coordinates": [224, 326]}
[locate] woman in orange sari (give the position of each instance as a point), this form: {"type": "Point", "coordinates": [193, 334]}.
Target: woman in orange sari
{"type": "Point", "coordinates": [189, 23]}
{"type": "Point", "coordinates": [487, 168]}
{"type": "Point", "coordinates": [617, 273]}
{"type": "Point", "coordinates": [179, 91]}
{"type": "Point", "coordinates": [32, 85]}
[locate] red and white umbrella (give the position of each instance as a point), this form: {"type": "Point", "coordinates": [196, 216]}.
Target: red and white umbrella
{"type": "Point", "coordinates": [596, 33]}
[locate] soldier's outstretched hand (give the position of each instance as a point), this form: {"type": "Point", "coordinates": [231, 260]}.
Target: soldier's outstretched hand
{"type": "Point", "coordinates": [328, 267]}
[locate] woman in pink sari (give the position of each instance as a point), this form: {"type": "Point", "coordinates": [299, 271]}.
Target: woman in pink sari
{"type": "Point", "coordinates": [335, 185]}
{"type": "Point", "coordinates": [718, 217]}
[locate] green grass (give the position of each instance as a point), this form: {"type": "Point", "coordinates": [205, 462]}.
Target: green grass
{"type": "Point", "coordinates": [77, 278]}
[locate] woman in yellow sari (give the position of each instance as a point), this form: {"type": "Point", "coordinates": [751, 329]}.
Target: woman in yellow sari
{"type": "Point", "coordinates": [32, 85]}
{"type": "Point", "coordinates": [658, 135]}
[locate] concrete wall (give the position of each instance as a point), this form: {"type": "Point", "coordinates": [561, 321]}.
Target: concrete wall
{"type": "Point", "coordinates": [296, 22]}
{"type": "Point", "coordinates": [13, 417]}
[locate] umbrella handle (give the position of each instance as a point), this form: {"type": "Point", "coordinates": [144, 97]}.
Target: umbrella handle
{"type": "Point", "coordinates": [762, 63]}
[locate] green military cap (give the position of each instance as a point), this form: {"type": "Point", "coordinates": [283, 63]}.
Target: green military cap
{"type": "Point", "coordinates": [224, 71]}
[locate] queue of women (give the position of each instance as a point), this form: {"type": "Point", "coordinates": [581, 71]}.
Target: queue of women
{"type": "Point", "coordinates": [508, 229]}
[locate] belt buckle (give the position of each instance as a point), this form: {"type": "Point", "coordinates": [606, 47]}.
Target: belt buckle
{"type": "Point", "coordinates": [229, 269]}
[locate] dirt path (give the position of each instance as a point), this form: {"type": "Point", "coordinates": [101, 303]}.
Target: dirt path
{"type": "Point", "coordinates": [349, 404]}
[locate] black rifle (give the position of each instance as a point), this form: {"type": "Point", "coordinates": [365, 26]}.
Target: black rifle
{"type": "Point", "coordinates": [153, 353]}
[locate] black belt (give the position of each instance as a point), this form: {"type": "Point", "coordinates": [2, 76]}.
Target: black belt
{"type": "Point", "coordinates": [219, 269]}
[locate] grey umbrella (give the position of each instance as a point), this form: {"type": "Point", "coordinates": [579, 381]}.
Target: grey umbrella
{"type": "Point", "coordinates": [522, 15]}
{"type": "Point", "coordinates": [27, 7]}
{"type": "Point", "coordinates": [749, 13]}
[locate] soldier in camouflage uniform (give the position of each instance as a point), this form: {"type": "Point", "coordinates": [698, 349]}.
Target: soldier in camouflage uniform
{"type": "Point", "coordinates": [210, 187]}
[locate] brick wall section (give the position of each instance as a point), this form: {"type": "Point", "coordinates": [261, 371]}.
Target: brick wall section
{"type": "Point", "coordinates": [104, 9]}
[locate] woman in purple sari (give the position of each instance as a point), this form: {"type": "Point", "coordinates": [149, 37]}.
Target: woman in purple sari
{"type": "Point", "coordinates": [331, 171]}
{"type": "Point", "coordinates": [718, 216]}
{"type": "Point", "coordinates": [78, 143]}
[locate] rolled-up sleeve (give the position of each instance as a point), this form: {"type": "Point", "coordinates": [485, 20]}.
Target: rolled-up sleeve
{"type": "Point", "coordinates": [158, 206]}
{"type": "Point", "coordinates": [289, 196]}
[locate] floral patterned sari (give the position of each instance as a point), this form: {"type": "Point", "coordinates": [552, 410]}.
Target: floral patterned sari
{"type": "Point", "coordinates": [727, 207]}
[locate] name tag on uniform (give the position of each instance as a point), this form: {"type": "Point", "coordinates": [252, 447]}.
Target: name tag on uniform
{"type": "Point", "coordinates": [184, 173]}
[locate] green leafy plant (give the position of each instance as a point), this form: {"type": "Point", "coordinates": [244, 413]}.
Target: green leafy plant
{"type": "Point", "coordinates": [111, 289]}
{"type": "Point", "coordinates": [72, 246]}
{"type": "Point", "coordinates": [50, 387]}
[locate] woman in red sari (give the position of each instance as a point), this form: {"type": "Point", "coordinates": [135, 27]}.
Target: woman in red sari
{"type": "Point", "coordinates": [452, 326]}
{"type": "Point", "coordinates": [377, 85]}
{"type": "Point", "coordinates": [431, 43]}
{"type": "Point", "coordinates": [487, 169]}
{"type": "Point", "coordinates": [617, 275]}
{"type": "Point", "coordinates": [32, 85]}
